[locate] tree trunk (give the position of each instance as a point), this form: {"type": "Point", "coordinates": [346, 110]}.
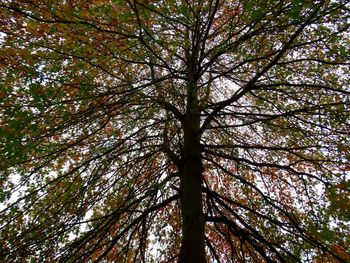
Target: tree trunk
{"type": "Point", "coordinates": [193, 238]}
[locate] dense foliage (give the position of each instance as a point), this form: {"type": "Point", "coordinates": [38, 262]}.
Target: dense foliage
{"type": "Point", "coordinates": [131, 128]}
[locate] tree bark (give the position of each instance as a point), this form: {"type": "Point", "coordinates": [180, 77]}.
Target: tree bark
{"type": "Point", "coordinates": [193, 237]}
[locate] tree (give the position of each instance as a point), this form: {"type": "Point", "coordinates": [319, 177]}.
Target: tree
{"type": "Point", "coordinates": [170, 130]}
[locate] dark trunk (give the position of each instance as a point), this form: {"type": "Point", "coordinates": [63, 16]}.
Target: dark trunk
{"type": "Point", "coordinates": [193, 238]}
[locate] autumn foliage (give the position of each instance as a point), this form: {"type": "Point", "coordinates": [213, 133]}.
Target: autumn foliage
{"type": "Point", "coordinates": [170, 130]}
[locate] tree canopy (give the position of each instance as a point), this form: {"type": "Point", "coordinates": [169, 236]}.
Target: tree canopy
{"type": "Point", "coordinates": [174, 130]}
